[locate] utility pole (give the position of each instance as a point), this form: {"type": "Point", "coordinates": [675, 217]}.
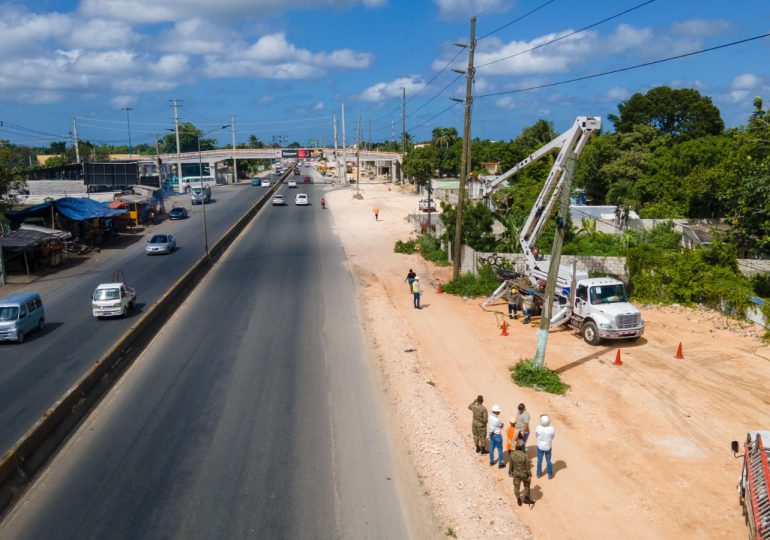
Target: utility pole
{"type": "Point", "coordinates": [465, 157]}
{"type": "Point", "coordinates": [358, 154]}
{"type": "Point", "coordinates": [553, 268]}
{"type": "Point", "coordinates": [336, 159]}
{"type": "Point", "coordinates": [75, 135]}
{"type": "Point", "coordinates": [157, 160]}
{"type": "Point", "coordinates": [403, 124]}
{"type": "Point", "coordinates": [235, 162]}
{"type": "Point", "coordinates": [393, 131]}
{"type": "Point", "coordinates": [128, 124]}
{"type": "Point", "coordinates": [369, 136]}
{"type": "Point", "coordinates": [344, 168]}
{"type": "Point", "coordinates": [175, 104]}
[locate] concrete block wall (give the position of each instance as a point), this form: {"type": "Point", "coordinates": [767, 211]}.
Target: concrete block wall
{"type": "Point", "coordinates": [57, 188]}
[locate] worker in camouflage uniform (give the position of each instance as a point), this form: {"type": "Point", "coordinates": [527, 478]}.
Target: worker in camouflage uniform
{"type": "Point", "coordinates": [479, 425]}
{"type": "Point", "coordinates": [522, 472]}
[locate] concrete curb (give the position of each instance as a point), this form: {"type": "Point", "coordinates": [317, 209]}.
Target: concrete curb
{"type": "Point", "coordinates": [20, 464]}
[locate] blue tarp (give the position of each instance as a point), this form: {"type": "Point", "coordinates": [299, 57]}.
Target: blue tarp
{"type": "Point", "coordinates": [74, 208]}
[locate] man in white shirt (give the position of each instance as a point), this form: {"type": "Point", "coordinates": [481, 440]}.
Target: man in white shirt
{"type": "Point", "coordinates": [496, 437]}
{"type": "Point", "coordinates": [544, 434]}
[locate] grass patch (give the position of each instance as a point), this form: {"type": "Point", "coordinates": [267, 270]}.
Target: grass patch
{"type": "Point", "coordinates": [431, 250]}
{"type": "Point", "coordinates": [469, 285]}
{"type": "Point", "coordinates": [539, 378]}
{"type": "Point", "coordinates": [408, 247]}
{"type": "Point", "coordinates": [450, 532]}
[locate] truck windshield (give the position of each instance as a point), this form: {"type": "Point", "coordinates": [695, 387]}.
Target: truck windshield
{"type": "Point", "coordinates": [608, 294]}
{"type": "Point", "coordinates": [9, 313]}
{"type": "Point", "coordinates": [107, 294]}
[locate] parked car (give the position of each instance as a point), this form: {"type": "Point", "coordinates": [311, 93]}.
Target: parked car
{"type": "Point", "coordinates": [20, 314]}
{"type": "Point", "coordinates": [279, 200]}
{"type": "Point", "coordinates": [256, 181]}
{"type": "Point", "coordinates": [160, 243]}
{"type": "Point", "coordinates": [428, 204]}
{"type": "Point", "coordinates": [307, 179]}
{"type": "Point", "coordinates": [301, 200]}
{"type": "Point", "coordinates": [112, 300]}
{"type": "Point", "coordinates": [292, 183]}
{"type": "Point", "coordinates": [178, 212]}
{"type": "Point", "coordinates": [265, 182]}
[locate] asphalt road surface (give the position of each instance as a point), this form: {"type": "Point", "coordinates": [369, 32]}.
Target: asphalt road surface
{"type": "Point", "coordinates": [35, 374]}
{"type": "Point", "coordinates": [251, 415]}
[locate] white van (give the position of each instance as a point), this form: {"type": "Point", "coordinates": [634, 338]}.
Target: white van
{"type": "Point", "coordinates": [20, 314]}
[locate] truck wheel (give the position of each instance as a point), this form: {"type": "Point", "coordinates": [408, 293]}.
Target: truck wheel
{"type": "Point", "coordinates": [590, 333]}
{"type": "Point", "coordinates": [40, 324]}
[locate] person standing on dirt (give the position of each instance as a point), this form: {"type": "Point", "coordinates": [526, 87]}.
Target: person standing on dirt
{"type": "Point", "coordinates": [528, 303]}
{"type": "Point", "coordinates": [416, 292]}
{"type": "Point", "coordinates": [545, 434]}
{"type": "Point", "coordinates": [522, 422]}
{"type": "Point", "coordinates": [513, 304]}
{"type": "Point", "coordinates": [479, 424]}
{"type": "Point", "coordinates": [376, 212]}
{"type": "Point", "coordinates": [522, 472]}
{"type": "Point", "coordinates": [410, 278]}
{"type": "Point", "coordinates": [496, 437]}
{"type": "Point", "coordinates": [511, 436]}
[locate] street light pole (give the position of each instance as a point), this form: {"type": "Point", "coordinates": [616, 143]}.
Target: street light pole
{"type": "Point", "coordinates": [128, 123]}
{"type": "Point", "coordinates": [203, 199]}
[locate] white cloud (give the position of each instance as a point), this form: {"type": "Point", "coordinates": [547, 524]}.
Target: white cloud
{"type": "Point", "coordinates": [153, 11]}
{"type": "Point", "coordinates": [195, 36]}
{"type": "Point", "coordinates": [273, 57]}
{"type": "Point", "coordinates": [22, 31]}
{"type": "Point", "coordinates": [506, 102]}
{"type": "Point", "coordinates": [319, 106]}
{"type": "Point", "coordinates": [120, 102]}
{"type": "Point", "coordinates": [463, 9]}
{"type": "Point", "coordinates": [742, 86]}
{"type": "Point", "coordinates": [386, 90]}
{"type": "Point", "coordinates": [101, 34]}
{"type": "Point", "coordinates": [618, 93]}
{"type": "Point", "coordinates": [701, 27]}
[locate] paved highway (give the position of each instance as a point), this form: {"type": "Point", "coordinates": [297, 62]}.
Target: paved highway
{"type": "Point", "coordinates": [38, 372]}
{"type": "Point", "coordinates": [251, 415]}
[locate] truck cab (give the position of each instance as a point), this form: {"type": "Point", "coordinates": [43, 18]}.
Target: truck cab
{"type": "Point", "coordinates": [112, 300]}
{"type": "Point", "coordinates": [602, 311]}
{"type": "Point", "coordinates": [200, 194]}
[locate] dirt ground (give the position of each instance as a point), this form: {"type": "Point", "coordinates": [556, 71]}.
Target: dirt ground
{"type": "Point", "coordinates": [642, 450]}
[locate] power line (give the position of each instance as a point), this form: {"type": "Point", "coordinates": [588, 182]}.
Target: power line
{"type": "Point", "coordinates": [570, 34]}
{"type": "Point", "coordinates": [514, 21]}
{"type": "Point", "coordinates": [628, 68]}
{"type": "Point", "coordinates": [439, 93]}
{"type": "Point", "coordinates": [452, 106]}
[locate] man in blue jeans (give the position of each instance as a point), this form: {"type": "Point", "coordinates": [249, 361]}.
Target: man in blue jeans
{"type": "Point", "coordinates": [416, 292]}
{"type": "Point", "coordinates": [496, 437]}
{"type": "Point", "coordinates": [544, 434]}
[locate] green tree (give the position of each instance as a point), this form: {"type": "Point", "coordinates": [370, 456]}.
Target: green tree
{"type": "Point", "coordinates": [295, 144]}
{"type": "Point", "coordinates": [10, 175]}
{"type": "Point", "coordinates": [57, 161]}
{"type": "Point", "coordinates": [477, 225]}
{"type": "Point", "coordinates": [255, 142]}
{"type": "Point", "coordinates": [682, 113]}
{"type": "Point", "coordinates": [419, 164]}
{"type": "Point", "coordinates": [188, 140]}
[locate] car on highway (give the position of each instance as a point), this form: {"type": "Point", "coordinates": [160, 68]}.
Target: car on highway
{"type": "Point", "coordinates": [178, 212]}
{"type": "Point", "coordinates": [306, 179]}
{"type": "Point", "coordinates": [160, 244]}
{"type": "Point", "coordinates": [112, 300]}
{"type": "Point", "coordinates": [279, 200]}
{"type": "Point", "coordinates": [256, 181]}
{"type": "Point", "coordinates": [265, 182]}
{"type": "Point", "coordinates": [296, 171]}
{"type": "Point", "coordinates": [292, 183]}
{"type": "Point", "coordinates": [301, 200]}
{"type": "Point", "coordinates": [20, 314]}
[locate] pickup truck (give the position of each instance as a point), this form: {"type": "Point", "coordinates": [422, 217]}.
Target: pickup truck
{"type": "Point", "coordinates": [112, 300]}
{"type": "Point", "coordinates": [428, 204]}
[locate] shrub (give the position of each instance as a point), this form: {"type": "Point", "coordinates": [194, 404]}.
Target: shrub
{"type": "Point", "coordinates": [431, 250]}
{"type": "Point", "coordinates": [524, 373]}
{"type": "Point", "coordinates": [761, 285]}
{"type": "Point", "coordinates": [407, 247]}
{"type": "Point", "coordinates": [469, 285]}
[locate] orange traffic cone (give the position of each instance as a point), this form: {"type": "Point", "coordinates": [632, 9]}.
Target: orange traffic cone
{"type": "Point", "coordinates": [618, 361]}
{"type": "Point", "coordinates": [679, 355]}
{"type": "Point", "coordinates": [440, 288]}
{"type": "Point", "coordinates": [505, 329]}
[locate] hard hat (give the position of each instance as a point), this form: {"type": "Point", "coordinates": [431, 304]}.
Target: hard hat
{"type": "Point", "coordinates": [545, 420]}
{"type": "Point", "coordinates": [512, 420]}
{"type": "Point", "coordinates": [417, 278]}
{"type": "Point", "coordinates": [496, 408]}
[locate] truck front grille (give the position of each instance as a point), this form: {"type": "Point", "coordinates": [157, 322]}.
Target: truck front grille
{"type": "Point", "coordinates": [631, 320]}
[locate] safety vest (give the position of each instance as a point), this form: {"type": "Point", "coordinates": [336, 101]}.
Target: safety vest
{"type": "Point", "coordinates": [416, 287]}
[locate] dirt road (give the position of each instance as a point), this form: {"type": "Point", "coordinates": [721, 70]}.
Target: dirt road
{"type": "Point", "coordinates": [642, 450]}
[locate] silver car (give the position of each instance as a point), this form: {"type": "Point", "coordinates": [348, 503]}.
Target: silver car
{"type": "Point", "coordinates": [160, 244]}
{"type": "Point", "coordinates": [279, 200]}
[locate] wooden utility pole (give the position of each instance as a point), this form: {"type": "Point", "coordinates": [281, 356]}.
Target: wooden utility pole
{"type": "Point", "coordinates": [403, 123]}
{"type": "Point", "coordinates": [465, 157]}
{"type": "Point", "coordinates": [75, 135]}
{"type": "Point", "coordinates": [553, 268]}
{"type": "Point", "coordinates": [358, 154]}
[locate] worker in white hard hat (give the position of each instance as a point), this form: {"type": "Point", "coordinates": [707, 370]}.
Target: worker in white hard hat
{"type": "Point", "coordinates": [416, 292]}
{"type": "Point", "coordinates": [544, 434]}
{"type": "Point", "coordinates": [496, 437]}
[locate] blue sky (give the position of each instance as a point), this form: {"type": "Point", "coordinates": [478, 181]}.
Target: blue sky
{"type": "Point", "coordinates": [284, 68]}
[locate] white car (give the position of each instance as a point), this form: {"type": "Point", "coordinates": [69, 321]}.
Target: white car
{"type": "Point", "coordinates": [292, 183]}
{"type": "Point", "coordinates": [265, 182]}
{"type": "Point", "coordinates": [301, 200]}
{"type": "Point", "coordinates": [279, 200]}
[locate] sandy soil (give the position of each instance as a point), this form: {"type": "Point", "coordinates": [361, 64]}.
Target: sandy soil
{"type": "Point", "coordinates": [642, 450]}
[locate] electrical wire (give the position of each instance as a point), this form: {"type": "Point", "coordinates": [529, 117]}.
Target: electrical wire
{"type": "Point", "coordinates": [627, 68]}
{"type": "Point", "coordinates": [570, 34]}
{"type": "Point", "coordinates": [514, 21]}
{"type": "Point", "coordinates": [452, 106]}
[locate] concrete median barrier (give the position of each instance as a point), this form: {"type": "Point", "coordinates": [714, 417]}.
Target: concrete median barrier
{"type": "Point", "coordinates": [20, 464]}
